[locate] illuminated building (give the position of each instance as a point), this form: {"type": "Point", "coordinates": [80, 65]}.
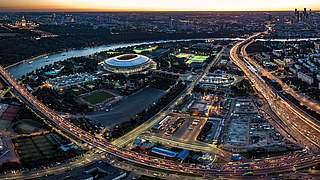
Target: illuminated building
{"type": "Point", "coordinates": [128, 64]}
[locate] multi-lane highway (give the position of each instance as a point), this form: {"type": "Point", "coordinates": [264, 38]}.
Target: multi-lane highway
{"type": "Point", "coordinates": [68, 129]}
{"type": "Point", "coordinates": [310, 103]}
{"type": "Point", "coordinates": [302, 126]}
{"type": "Point", "coordinates": [261, 167]}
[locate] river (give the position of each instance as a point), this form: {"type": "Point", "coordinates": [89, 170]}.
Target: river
{"type": "Point", "coordinates": [23, 68]}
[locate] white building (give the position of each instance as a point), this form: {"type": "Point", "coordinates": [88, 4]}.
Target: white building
{"type": "Point", "coordinates": [277, 52]}
{"type": "Point", "coordinates": [305, 78]}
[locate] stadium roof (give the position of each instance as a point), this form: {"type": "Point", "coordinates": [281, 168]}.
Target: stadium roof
{"type": "Point", "coordinates": [135, 61]}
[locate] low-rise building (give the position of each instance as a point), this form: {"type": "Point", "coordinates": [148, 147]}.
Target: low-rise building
{"type": "Point", "coordinates": [305, 78]}
{"type": "Point", "coordinates": [71, 80]}
{"type": "Point", "coordinates": [277, 52]}
{"type": "Point", "coordinates": [279, 62]}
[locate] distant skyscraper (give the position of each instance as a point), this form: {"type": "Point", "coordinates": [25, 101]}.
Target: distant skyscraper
{"type": "Point", "coordinates": [23, 22]}
{"type": "Point", "coordinates": [171, 23]}
{"type": "Point", "coordinates": [296, 16]}
{"type": "Point", "coordinates": [304, 17]}
{"type": "Point", "coordinates": [310, 17]}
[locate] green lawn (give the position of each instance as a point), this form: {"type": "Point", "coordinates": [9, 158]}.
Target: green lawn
{"type": "Point", "coordinates": [139, 50]}
{"type": "Point", "coordinates": [199, 59]}
{"type": "Point", "coordinates": [112, 52]}
{"type": "Point", "coordinates": [8, 34]}
{"type": "Point", "coordinates": [183, 55]}
{"type": "Point", "coordinates": [98, 97]}
{"type": "Point", "coordinates": [91, 86]}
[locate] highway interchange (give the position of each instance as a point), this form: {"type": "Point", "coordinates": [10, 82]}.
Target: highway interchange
{"type": "Point", "coordinates": [303, 128]}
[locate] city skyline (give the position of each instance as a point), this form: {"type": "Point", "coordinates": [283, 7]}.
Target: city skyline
{"type": "Point", "coordinates": [165, 5]}
{"type": "Point", "coordinates": [150, 89]}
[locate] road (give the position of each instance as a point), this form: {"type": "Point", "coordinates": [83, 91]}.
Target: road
{"type": "Point", "coordinates": [132, 135]}
{"type": "Point", "coordinates": [76, 162]}
{"type": "Point", "coordinates": [194, 146]}
{"type": "Point", "coordinates": [283, 163]}
{"type": "Point", "coordinates": [307, 101]}
{"type": "Point", "coordinates": [76, 134]}
{"type": "Point", "coordinates": [301, 126]}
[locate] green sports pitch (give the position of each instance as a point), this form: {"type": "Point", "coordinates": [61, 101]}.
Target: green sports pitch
{"type": "Point", "coordinates": [141, 49]}
{"type": "Point", "coordinates": [183, 55]}
{"type": "Point", "coordinates": [112, 52]}
{"type": "Point", "coordinates": [97, 97]}
{"type": "Point", "coordinates": [197, 59]}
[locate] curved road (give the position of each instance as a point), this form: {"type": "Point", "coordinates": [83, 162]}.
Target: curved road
{"type": "Point", "coordinates": [272, 165]}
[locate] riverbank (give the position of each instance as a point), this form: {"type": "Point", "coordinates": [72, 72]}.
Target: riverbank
{"type": "Point", "coordinates": [21, 68]}
{"type": "Point", "coordinates": [31, 59]}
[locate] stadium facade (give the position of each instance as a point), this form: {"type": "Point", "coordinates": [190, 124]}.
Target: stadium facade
{"type": "Point", "coordinates": [128, 64]}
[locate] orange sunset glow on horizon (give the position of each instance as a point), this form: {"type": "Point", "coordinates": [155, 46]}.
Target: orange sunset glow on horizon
{"type": "Point", "coordinates": [156, 5]}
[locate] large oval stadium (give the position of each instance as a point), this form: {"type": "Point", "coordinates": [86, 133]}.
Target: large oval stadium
{"type": "Point", "coordinates": [127, 63]}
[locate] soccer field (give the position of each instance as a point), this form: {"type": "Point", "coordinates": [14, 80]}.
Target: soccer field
{"type": "Point", "coordinates": [139, 50]}
{"type": "Point", "coordinates": [199, 59]}
{"type": "Point", "coordinates": [98, 97]}
{"type": "Point", "coordinates": [183, 55]}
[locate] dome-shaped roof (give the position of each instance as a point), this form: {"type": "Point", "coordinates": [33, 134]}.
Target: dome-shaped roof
{"type": "Point", "coordinates": [127, 60]}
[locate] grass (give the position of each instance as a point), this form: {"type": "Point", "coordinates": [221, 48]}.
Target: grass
{"type": "Point", "coordinates": [112, 52]}
{"type": "Point", "coordinates": [4, 124]}
{"type": "Point", "coordinates": [192, 58]}
{"type": "Point", "coordinates": [91, 86]}
{"type": "Point", "coordinates": [139, 50]}
{"type": "Point", "coordinates": [183, 55]}
{"type": "Point", "coordinates": [98, 97]}
{"type": "Point", "coordinates": [8, 34]}
{"type": "Point", "coordinates": [198, 59]}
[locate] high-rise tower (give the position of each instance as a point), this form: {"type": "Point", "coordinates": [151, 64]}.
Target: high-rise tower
{"type": "Point", "coordinates": [296, 16]}
{"type": "Point", "coordinates": [310, 17]}
{"type": "Point", "coordinates": [171, 23]}
{"type": "Point", "coordinates": [23, 22]}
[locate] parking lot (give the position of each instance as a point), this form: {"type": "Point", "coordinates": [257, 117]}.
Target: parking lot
{"type": "Point", "coordinates": [190, 129]}
{"type": "Point", "coordinates": [182, 127]}
{"type": "Point", "coordinates": [127, 108]}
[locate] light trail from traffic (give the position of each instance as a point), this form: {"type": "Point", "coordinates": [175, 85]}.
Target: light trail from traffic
{"type": "Point", "coordinates": [271, 165]}
{"type": "Point", "coordinates": [303, 128]}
